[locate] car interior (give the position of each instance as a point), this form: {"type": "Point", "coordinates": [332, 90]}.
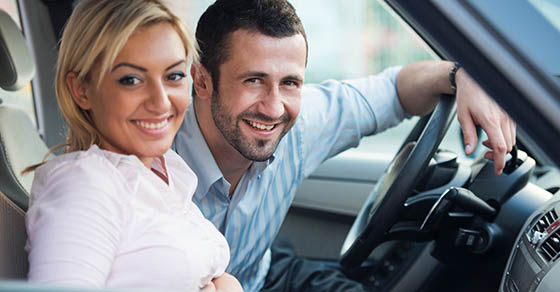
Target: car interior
{"type": "Point", "coordinates": [455, 226]}
{"type": "Point", "coordinates": [20, 145]}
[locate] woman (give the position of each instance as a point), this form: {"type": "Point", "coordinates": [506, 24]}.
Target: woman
{"type": "Point", "coordinates": [115, 210]}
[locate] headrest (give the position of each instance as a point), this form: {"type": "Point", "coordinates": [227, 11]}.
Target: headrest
{"type": "Point", "coordinates": [15, 59]}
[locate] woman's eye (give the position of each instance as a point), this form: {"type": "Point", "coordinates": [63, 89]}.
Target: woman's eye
{"type": "Point", "coordinates": [129, 80]}
{"type": "Point", "coordinates": [176, 76]}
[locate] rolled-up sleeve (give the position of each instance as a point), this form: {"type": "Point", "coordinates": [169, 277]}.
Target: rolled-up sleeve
{"type": "Point", "coordinates": [74, 222]}
{"type": "Point", "coordinates": [335, 115]}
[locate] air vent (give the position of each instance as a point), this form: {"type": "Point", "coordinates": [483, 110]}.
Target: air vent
{"type": "Point", "coordinates": [544, 222]}
{"type": "Point", "coordinates": [550, 247]}
{"type": "Point", "coordinates": [544, 237]}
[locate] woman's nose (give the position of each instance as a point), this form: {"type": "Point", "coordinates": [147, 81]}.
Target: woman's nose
{"type": "Point", "coordinates": [158, 100]}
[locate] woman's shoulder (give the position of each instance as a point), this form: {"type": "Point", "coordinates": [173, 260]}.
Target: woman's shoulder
{"type": "Point", "coordinates": [93, 158]}
{"type": "Point", "coordinates": [80, 181]}
{"type": "Point", "coordinates": [90, 167]}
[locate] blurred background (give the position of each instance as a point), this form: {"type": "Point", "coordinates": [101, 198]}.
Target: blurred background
{"type": "Point", "coordinates": [347, 39]}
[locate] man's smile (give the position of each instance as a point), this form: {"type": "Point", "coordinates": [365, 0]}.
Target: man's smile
{"type": "Point", "coordinates": [261, 126]}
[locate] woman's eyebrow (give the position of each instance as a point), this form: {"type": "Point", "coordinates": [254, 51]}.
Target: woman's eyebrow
{"type": "Point", "coordinates": [123, 64]}
{"type": "Point", "coordinates": [175, 64]}
{"type": "Point", "coordinates": [129, 65]}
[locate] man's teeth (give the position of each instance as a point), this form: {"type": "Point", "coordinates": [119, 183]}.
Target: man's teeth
{"type": "Point", "coordinates": [152, 126]}
{"type": "Point", "coordinates": [261, 126]}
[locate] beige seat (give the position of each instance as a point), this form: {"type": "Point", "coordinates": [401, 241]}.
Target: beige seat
{"type": "Point", "coordinates": [13, 259]}
{"type": "Point", "coordinates": [20, 146]}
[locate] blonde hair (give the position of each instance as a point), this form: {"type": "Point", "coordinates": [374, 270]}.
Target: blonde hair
{"type": "Point", "coordinates": [94, 35]}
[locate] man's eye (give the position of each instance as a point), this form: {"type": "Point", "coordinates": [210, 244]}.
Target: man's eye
{"type": "Point", "coordinates": [252, 80]}
{"type": "Point", "coordinates": [176, 76]}
{"type": "Point", "coordinates": [129, 80]}
{"type": "Point", "coordinates": [291, 83]}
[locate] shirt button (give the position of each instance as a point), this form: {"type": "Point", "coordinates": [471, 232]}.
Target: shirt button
{"type": "Point", "coordinates": [259, 176]}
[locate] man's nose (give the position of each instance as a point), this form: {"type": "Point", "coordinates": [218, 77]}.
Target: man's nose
{"type": "Point", "coordinates": [158, 101]}
{"type": "Point", "coordinates": [272, 104]}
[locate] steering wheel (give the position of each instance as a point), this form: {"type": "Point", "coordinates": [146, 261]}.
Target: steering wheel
{"type": "Point", "coordinates": [385, 203]}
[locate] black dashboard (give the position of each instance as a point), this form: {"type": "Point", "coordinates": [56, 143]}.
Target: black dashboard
{"type": "Point", "coordinates": [533, 264]}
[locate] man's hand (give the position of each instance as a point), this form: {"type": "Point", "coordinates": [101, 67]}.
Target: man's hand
{"type": "Point", "coordinates": [475, 107]}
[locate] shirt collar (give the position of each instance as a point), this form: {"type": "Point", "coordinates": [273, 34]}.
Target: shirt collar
{"type": "Point", "coordinates": [192, 147]}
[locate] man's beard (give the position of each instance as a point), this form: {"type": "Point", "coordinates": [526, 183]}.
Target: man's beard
{"type": "Point", "coordinates": [259, 150]}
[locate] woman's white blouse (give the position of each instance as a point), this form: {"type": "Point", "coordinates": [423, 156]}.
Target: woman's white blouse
{"type": "Point", "coordinates": [101, 219]}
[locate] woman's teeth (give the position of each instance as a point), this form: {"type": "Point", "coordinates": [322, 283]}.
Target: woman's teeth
{"type": "Point", "coordinates": [152, 126]}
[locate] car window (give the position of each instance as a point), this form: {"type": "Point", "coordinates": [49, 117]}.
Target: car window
{"type": "Point", "coordinates": [360, 38]}
{"type": "Point", "coordinates": [24, 97]}
{"type": "Point", "coordinates": [539, 49]}
{"type": "Point", "coordinates": [549, 9]}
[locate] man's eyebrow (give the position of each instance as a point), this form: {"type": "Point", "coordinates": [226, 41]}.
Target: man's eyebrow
{"type": "Point", "coordinates": [142, 68]}
{"type": "Point", "coordinates": [252, 74]}
{"type": "Point", "coordinates": [294, 77]}
{"type": "Point", "coordinates": [262, 74]}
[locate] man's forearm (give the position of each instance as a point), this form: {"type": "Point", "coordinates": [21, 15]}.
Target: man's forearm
{"type": "Point", "coordinates": [420, 84]}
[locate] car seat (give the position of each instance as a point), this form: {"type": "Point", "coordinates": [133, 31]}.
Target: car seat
{"type": "Point", "coordinates": [20, 146]}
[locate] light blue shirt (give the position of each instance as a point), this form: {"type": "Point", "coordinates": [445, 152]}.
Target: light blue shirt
{"type": "Point", "coordinates": [334, 116]}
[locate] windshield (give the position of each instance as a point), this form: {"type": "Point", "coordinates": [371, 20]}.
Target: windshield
{"type": "Point", "coordinates": [531, 28]}
{"type": "Point", "coordinates": [550, 9]}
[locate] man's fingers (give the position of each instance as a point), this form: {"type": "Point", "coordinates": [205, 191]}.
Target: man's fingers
{"type": "Point", "coordinates": [513, 131]}
{"type": "Point", "coordinates": [508, 128]}
{"type": "Point", "coordinates": [498, 146]}
{"type": "Point", "coordinates": [469, 131]}
{"type": "Point", "coordinates": [499, 162]}
{"type": "Point", "coordinates": [498, 158]}
{"type": "Point", "coordinates": [494, 157]}
{"type": "Point", "coordinates": [508, 138]}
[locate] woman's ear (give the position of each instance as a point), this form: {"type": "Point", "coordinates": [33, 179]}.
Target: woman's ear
{"type": "Point", "coordinates": [202, 81]}
{"type": "Point", "coordinates": [78, 90]}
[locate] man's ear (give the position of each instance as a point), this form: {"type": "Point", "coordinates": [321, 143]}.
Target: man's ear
{"type": "Point", "coordinates": [78, 90]}
{"type": "Point", "coordinates": [202, 81]}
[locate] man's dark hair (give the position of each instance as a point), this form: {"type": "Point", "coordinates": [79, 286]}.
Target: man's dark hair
{"type": "Point", "coordinates": [274, 18]}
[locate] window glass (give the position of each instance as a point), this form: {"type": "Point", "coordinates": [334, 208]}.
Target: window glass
{"type": "Point", "coordinates": [549, 9]}
{"type": "Point", "coordinates": [24, 97]}
{"type": "Point", "coordinates": [517, 30]}
{"type": "Point", "coordinates": [357, 37]}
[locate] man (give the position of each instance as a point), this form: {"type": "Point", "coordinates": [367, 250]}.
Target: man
{"type": "Point", "coordinates": [254, 132]}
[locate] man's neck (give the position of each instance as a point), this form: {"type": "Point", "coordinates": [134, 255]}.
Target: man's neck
{"type": "Point", "coordinates": [231, 163]}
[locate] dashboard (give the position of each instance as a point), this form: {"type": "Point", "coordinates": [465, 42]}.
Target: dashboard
{"type": "Point", "coordinates": [533, 264]}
